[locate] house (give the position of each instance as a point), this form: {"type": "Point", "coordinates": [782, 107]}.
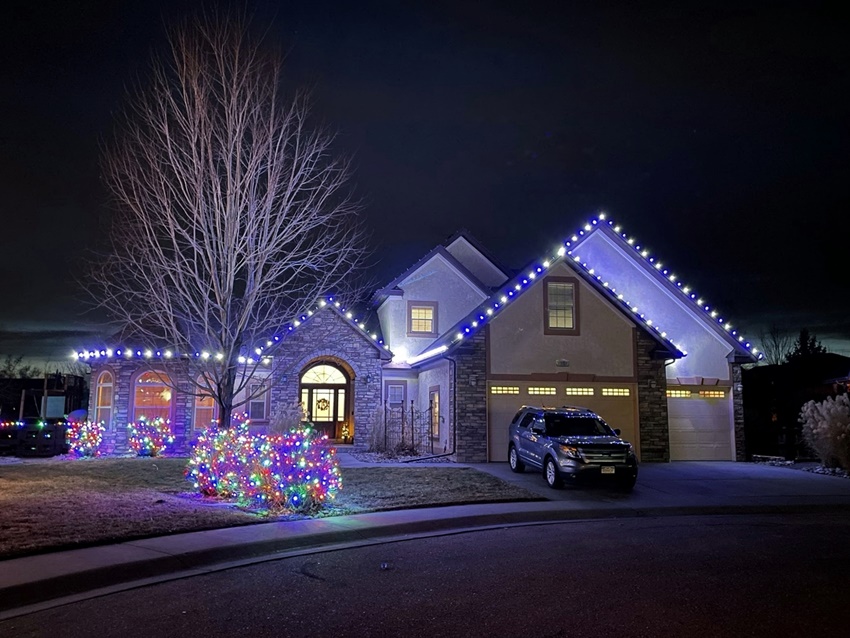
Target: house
{"type": "Point", "coordinates": [460, 343]}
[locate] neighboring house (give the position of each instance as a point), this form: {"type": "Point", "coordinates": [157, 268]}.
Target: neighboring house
{"type": "Point", "coordinates": [52, 396]}
{"type": "Point", "coordinates": [599, 323]}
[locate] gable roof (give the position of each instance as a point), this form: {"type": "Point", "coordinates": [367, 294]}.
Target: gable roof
{"type": "Point", "coordinates": [515, 286]}
{"type": "Point", "coordinates": [743, 350]}
{"type": "Point", "coordinates": [489, 310]}
{"type": "Point", "coordinates": [392, 289]}
{"type": "Point", "coordinates": [470, 239]}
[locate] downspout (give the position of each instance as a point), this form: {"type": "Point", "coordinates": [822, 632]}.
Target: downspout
{"type": "Point", "coordinates": [454, 421]}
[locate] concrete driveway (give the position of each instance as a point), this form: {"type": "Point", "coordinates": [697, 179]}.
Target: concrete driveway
{"type": "Point", "coordinates": [695, 483]}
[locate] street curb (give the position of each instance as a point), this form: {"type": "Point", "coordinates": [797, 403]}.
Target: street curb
{"type": "Point", "coordinates": [76, 572]}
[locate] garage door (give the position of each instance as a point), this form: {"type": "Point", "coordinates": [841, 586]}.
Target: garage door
{"type": "Point", "coordinates": [701, 425]}
{"type": "Point", "coordinates": [617, 404]}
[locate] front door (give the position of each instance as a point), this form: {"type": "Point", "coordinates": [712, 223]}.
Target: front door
{"type": "Point", "coordinates": [325, 391]}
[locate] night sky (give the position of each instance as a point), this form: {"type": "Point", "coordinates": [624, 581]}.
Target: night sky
{"type": "Point", "coordinates": [718, 137]}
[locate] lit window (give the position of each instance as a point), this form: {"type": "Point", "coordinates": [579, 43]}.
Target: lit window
{"type": "Point", "coordinates": [679, 394]}
{"type": "Point", "coordinates": [422, 318]}
{"type": "Point", "coordinates": [434, 402]}
{"type": "Point", "coordinates": [205, 410]}
{"type": "Point", "coordinates": [615, 392]}
{"type": "Point", "coordinates": [504, 389]}
{"type": "Point", "coordinates": [152, 396]}
{"type": "Point", "coordinates": [712, 394]}
{"type": "Point", "coordinates": [538, 390]}
{"type": "Point", "coordinates": [560, 305]}
{"type": "Point", "coordinates": [580, 392]}
{"type": "Point", "coordinates": [324, 374]}
{"type": "Point", "coordinates": [103, 399]}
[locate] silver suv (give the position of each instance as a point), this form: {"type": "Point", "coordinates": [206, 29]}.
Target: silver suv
{"type": "Point", "coordinates": [572, 443]}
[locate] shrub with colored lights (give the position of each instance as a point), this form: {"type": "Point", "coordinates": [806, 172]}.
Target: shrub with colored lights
{"type": "Point", "coordinates": [150, 438]}
{"type": "Point", "coordinates": [295, 471]}
{"type": "Point", "coordinates": [85, 437]}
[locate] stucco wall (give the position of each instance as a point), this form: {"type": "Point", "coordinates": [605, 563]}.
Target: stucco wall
{"type": "Point", "coordinates": [438, 375]}
{"type": "Point", "coordinates": [604, 346]}
{"type": "Point", "coordinates": [434, 281]}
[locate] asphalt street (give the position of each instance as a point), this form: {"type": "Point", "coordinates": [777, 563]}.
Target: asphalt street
{"type": "Point", "coordinates": [730, 575]}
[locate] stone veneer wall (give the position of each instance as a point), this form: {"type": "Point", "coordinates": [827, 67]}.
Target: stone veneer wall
{"type": "Point", "coordinates": [328, 335]}
{"type": "Point", "coordinates": [325, 335]}
{"type": "Point", "coordinates": [654, 424]}
{"type": "Point", "coordinates": [738, 412]}
{"type": "Point", "coordinates": [124, 372]}
{"type": "Point", "coordinates": [471, 397]}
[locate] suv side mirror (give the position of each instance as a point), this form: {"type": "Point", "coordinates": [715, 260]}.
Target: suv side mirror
{"type": "Point", "coordinates": [617, 431]}
{"type": "Point", "coordinates": [538, 429]}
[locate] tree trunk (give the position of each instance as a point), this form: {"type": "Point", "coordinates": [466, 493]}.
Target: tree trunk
{"type": "Point", "coordinates": [224, 396]}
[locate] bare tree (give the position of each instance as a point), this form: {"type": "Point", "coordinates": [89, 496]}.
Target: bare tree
{"type": "Point", "coordinates": [775, 344]}
{"type": "Point", "coordinates": [233, 213]}
{"type": "Point", "coordinates": [14, 368]}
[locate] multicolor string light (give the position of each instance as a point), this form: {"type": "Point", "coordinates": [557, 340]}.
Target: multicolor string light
{"type": "Point", "coordinates": [85, 437]}
{"type": "Point", "coordinates": [150, 438]}
{"type": "Point", "coordinates": [293, 472]}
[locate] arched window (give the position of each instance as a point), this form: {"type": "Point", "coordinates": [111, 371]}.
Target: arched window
{"type": "Point", "coordinates": [206, 410]}
{"type": "Point", "coordinates": [324, 374]}
{"type": "Point", "coordinates": [103, 399]}
{"type": "Point", "coordinates": [152, 397]}
{"type": "Point", "coordinates": [325, 391]}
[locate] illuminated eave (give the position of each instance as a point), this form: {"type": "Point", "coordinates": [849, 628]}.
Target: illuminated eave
{"type": "Point", "coordinates": [259, 353]}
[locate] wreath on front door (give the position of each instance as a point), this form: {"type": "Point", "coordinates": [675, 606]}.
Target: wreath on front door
{"type": "Point", "coordinates": [323, 404]}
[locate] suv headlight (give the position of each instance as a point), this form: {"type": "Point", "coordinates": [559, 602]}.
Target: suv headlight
{"type": "Point", "coordinates": [571, 452]}
{"type": "Point", "coordinates": [631, 450]}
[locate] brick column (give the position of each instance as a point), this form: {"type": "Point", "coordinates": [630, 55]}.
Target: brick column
{"type": "Point", "coordinates": [652, 401]}
{"type": "Point", "coordinates": [471, 399]}
{"type": "Point", "coordinates": [738, 412]}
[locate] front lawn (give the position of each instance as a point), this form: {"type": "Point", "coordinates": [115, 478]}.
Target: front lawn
{"type": "Point", "coordinates": [52, 505]}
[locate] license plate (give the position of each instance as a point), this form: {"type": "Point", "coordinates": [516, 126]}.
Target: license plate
{"type": "Point", "coordinates": [607, 470]}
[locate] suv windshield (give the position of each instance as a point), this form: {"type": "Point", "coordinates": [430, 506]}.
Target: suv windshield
{"type": "Point", "coordinates": [562, 425]}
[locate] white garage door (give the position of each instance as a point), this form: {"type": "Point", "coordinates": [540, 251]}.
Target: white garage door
{"type": "Point", "coordinates": [616, 403]}
{"type": "Point", "coordinates": [701, 427]}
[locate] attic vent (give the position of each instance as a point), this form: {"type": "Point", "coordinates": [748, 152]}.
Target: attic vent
{"type": "Point", "coordinates": [562, 363]}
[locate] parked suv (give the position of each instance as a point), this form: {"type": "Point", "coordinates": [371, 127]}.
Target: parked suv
{"type": "Point", "coordinates": [570, 443]}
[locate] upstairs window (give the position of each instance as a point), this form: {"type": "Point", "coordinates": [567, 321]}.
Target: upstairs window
{"type": "Point", "coordinates": [422, 318]}
{"type": "Point", "coordinates": [560, 299]}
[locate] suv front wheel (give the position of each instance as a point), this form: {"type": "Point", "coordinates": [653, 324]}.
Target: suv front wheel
{"type": "Point", "coordinates": [551, 473]}
{"type": "Point", "coordinates": [513, 459]}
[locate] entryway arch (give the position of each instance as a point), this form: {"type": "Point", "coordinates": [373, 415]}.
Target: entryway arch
{"type": "Point", "coordinates": [324, 386]}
